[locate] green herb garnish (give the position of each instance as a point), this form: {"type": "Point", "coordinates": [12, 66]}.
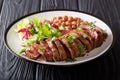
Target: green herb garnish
{"type": "Point", "coordinates": [79, 27]}
{"type": "Point", "coordinates": [70, 60]}
{"type": "Point", "coordinates": [42, 49]}
{"type": "Point", "coordinates": [92, 25]}
{"type": "Point", "coordinates": [71, 38]}
{"type": "Point", "coordinates": [61, 28]}
{"type": "Point", "coordinates": [22, 51]}
{"type": "Point", "coordinates": [82, 50]}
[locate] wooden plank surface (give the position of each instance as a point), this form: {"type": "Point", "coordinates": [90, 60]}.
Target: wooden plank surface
{"type": "Point", "coordinates": [1, 3]}
{"type": "Point", "coordinates": [105, 67]}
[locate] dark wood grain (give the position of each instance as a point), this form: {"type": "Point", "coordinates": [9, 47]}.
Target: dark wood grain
{"type": "Point", "coordinates": [1, 3]}
{"type": "Point", "coordinates": [106, 67]}
{"type": "Point", "coordinates": [12, 67]}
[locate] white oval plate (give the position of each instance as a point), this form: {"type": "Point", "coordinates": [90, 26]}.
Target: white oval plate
{"type": "Point", "coordinates": [13, 43]}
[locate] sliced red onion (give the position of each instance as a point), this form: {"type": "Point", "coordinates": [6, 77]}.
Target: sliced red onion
{"type": "Point", "coordinates": [30, 26]}
{"type": "Point", "coordinates": [22, 30]}
{"type": "Point", "coordinates": [27, 34]}
{"type": "Point", "coordinates": [55, 26]}
{"type": "Point", "coordinates": [65, 31]}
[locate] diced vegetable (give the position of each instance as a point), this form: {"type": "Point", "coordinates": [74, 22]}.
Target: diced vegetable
{"type": "Point", "coordinates": [65, 31]}
{"type": "Point", "coordinates": [61, 28]}
{"type": "Point", "coordinates": [82, 49]}
{"type": "Point", "coordinates": [70, 60]}
{"type": "Point", "coordinates": [79, 27]}
{"type": "Point", "coordinates": [22, 24]}
{"type": "Point", "coordinates": [92, 25]}
{"type": "Point", "coordinates": [42, 49]}
{"type": "Point", "coordinates": [71, 38]}
{"type": "Point", "coordinates": [22, 51]}
{"type": "Point", "coordinates": [42, 19]}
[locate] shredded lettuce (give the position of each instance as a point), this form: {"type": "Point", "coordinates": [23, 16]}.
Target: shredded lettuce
{"type": "Point", "coordinates": [39, 31]}
{"type": "Point", "coordinates": [42, 19]}
{"type": "Point", "coordinates": [22, 24]}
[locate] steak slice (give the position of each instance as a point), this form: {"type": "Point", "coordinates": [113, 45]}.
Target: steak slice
{"type": "Point", "coordinates": [46, 50]}
{"type": "Point", "coordinates": [74, 46]}
{"type": "Point", "coordinates": [83, 40]}
{"type": "Point", "coordinates": [93, 34]}
{"type": "Point", "coordinates": [56, 55]}
{"type": "Point", "coordinates": [101, 36]}
{"type": "Point", "coordinates": [89, 38]}
{"type": "Point", "coordinates": [61, 49]}
{"type": "Point", "coordinates": [32, 53]}
{"type": "Point", "coordinates": [78, 43]}
{"type": "Point", "coordinates": [64, 41]}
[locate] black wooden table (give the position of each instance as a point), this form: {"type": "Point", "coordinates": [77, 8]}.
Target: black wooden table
{"type": "Point", "coordinates": [106, 67]}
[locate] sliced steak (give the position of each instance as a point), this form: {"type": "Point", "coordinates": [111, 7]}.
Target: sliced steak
{"type": "Point", "coordinates": [63, 39]}
{"type": "Point", "coordinates": [89, 38]}
{"type": "Point", "coordinates": [93, 34]}
{"type": "Point", "coordinates": [38, 47]}
{"type": "Point", "coordinates": [32, 53]}
{"type": "Point", "coordinates": [101, 36]}
{"type": "Point", "coordinates": [61, 49]}
{"type": "Point", "coordinates": [74, 46]}
{"type": "Point", "coordinates": [56, 55]}
{"type": "Point", "coordinates": [83, 40]}
{"type": "Point", "coordinates": [47, 52]}
{"type": "Point", "coordinates": [78, 43]}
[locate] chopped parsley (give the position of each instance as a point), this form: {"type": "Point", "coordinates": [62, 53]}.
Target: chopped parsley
{"type": "Point", "coordinates": [71, 38]}
{"type": "Point", "coordinates": [92, 25]}
{"type": "Point", "coordinates": [79, 27]}
{"type": "Point", "coordinates": [22, 51]}
{"type": "Point", "coordinates": [42, 49]}
{"type": "Point", "coordinates": [82, 49]}
{"type": "Point", "coordinates": [70, 60]}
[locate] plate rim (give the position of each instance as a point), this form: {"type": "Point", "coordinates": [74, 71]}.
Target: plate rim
{"type": "Point", "coordinates": [88, 60]}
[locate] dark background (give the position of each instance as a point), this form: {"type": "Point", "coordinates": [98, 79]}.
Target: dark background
{"type": "Point", "coordinates": [106, 67]}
